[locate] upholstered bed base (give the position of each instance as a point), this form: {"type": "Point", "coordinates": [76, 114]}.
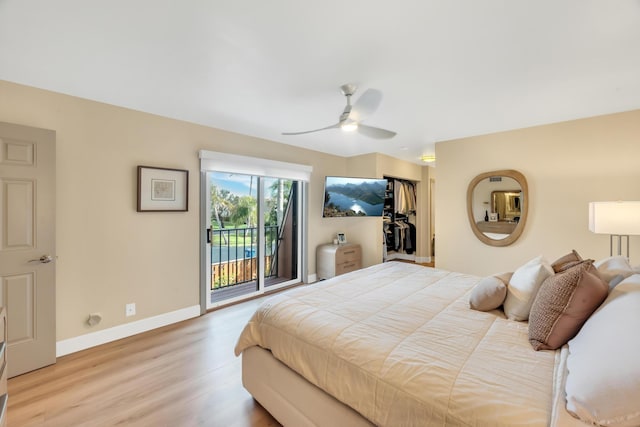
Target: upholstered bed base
{"type": "Point", "coordinates": [291, 399]}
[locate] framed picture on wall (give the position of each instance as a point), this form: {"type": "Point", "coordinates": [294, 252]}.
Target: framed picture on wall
{"type": "Point", "coordinates": [162, 189]}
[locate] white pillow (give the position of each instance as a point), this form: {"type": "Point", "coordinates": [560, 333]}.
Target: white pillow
{"type": "Point", "coordinates": [523, 287]}
{"type": "Point", "coordinates": [612, 266]}
{"type": "Point", "coordinates": [603, 381]}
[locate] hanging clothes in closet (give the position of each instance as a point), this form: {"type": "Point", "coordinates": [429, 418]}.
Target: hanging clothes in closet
{"type": "Point", "coordinates": [398, 229]}
{"type": "Point", "coordinates": [404, 197]}
{"type": "Point", "coordinates": [401, 236]}
{"type": "Point", "coordinates": [409, 244]}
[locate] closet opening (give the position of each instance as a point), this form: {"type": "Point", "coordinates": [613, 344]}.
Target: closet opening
{"type": "Point", "coordinates": [399, 220]}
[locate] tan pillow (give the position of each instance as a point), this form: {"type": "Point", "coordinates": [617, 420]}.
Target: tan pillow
{"type": "Point", "coordinates": [570, 258]}
{"type": "Point", "coordinates": [488, 294]}
{"type": "Point", "coordinates": [564, 302]}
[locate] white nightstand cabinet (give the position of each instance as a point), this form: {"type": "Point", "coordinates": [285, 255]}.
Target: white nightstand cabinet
{"type": "Point", "coordinates": [334, 260]}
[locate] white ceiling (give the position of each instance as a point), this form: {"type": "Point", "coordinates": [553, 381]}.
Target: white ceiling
{"type": "Point", "coordinates": [447, 68]}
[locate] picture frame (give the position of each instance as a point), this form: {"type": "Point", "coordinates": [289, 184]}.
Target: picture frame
{"type": "Point", "coordinates": [493, 217]}
{"type": "Point", "coordinates": [342, 239]}
{"type": "Point", "coordinates": [162, 189]}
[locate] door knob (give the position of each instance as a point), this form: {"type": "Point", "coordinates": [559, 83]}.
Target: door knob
{"type": "Point", "coordinates": [44, 259]}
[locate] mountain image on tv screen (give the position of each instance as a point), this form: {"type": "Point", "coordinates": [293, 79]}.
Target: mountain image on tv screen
{"type": "Point", "coordinates": [353, 196]}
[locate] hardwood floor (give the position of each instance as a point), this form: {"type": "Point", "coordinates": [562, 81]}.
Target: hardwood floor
{"type": "Point", "coordinates": [180, 375]}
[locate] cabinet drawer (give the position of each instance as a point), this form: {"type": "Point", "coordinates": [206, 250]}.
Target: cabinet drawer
{"type": "Point", "coordinates": [3, 325]}
{"type": "Point", "coordinates": [333, 260]}
{"type": "Point", "coordinates": [3, 410]}
{"type": "Point", "coordinates": [3, 339]}
{"type": "Point", "coordinates": [348, 255]}
{"type": "Point", "coordinates": [3, 379]}
{"type": "Point", "coordinates": [348, 267]}
{"type": "Point", "coordinates": [4, 372]}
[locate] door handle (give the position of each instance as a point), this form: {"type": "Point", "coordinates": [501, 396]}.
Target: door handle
{"type": "Point", "coordinates": [44, 259]}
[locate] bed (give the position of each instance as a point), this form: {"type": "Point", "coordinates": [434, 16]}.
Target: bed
{"type": "Point", "coordinates": [396, 344]}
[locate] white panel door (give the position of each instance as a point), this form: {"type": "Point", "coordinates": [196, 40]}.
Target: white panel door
{"type": "Point", "coordinates": [27, 245]}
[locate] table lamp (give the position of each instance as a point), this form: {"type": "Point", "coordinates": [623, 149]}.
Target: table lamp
{"type": "Point", "coordinates": [618, 219]}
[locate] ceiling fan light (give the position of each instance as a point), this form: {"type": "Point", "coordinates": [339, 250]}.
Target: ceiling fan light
{"type": "Point", "coordinates": [349, 127]}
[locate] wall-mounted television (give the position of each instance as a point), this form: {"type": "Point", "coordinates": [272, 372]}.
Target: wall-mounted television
{"type": "Point", "coordinates": [353, 197]}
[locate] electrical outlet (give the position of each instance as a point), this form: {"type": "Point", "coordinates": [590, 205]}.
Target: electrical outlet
{"type": "Point", "coordinates": [130, 309]}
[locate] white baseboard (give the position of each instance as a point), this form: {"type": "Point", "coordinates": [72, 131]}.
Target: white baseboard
{"type": "Point", "coordinates": [311, 278]}
{"type": "Point", "coordinates": [423, 259]}
{"type": "Point", "coordinates": [104, 336]}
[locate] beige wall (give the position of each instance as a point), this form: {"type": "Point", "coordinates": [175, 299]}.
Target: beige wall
{"type": "Point", "coordinates": [110, 255]}
{"type": "Point", "coordinates": [566, 165]}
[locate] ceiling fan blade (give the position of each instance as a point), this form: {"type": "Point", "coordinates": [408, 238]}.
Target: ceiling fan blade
{"type": "Point", "coordinates": [337, 125]}
{"type": "Point", "coordinates": [366, 105]}
{"type": "Point", "coordinates": [374, 132]}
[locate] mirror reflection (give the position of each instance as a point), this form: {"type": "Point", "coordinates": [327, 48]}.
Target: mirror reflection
{"type": "Point", "coordinates": [506, 204]}
{"type": "Point", "coordinates": [495, 200]}
{"type": "Point", "coordinates": [496, 204]}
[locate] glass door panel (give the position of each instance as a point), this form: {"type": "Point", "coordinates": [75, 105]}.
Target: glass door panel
{"type": "Point", "coordinates": [233, 235]}
{"type": "Point", "coordinates": [281, 232]}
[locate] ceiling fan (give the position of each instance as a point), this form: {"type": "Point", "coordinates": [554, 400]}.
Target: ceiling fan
{"type": "Point", "coordinates": [351, 118]}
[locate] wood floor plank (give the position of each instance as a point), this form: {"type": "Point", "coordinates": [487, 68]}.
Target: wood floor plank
{"type": "Point", "coordinates": [180, 375]}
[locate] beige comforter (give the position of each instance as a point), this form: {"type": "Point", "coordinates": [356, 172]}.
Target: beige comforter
{"type": "Point", "coordinates": [398, 343]}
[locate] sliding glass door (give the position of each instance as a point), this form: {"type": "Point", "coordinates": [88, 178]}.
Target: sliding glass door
{"type": "Point", "coordinates": [281, 219]}
{"type": "Point", "coordinates": [253, 235]}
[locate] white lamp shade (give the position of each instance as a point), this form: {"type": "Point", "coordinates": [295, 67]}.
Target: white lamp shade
{"type": "Point", "coordinates": [621, 218]}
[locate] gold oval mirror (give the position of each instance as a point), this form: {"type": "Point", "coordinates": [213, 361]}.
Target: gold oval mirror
{"type": "Point", "coordinates": [497, 205]}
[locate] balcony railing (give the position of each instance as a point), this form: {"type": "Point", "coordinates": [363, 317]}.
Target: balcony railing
{"type": "Point", "coordinates": [233, 255]}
